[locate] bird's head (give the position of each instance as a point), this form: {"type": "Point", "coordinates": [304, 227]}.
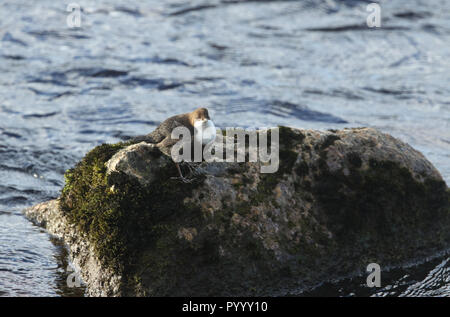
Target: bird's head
{"type": "Point", "coordinates": [199, 115]}
{"type": "Point", "coordinates": [202, 123]}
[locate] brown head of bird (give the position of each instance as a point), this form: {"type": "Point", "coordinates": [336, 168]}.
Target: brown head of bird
{"type": "Point", "coordinates": [199, 114]}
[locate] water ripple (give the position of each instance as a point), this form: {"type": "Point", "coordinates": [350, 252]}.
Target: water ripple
{"type": "Point", "coordinates": [309, 64]}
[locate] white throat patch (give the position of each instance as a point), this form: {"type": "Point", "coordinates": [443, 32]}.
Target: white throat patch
{"type": "Point", "coordinates": [205, 131]}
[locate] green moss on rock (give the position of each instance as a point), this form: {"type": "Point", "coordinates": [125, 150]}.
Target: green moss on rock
{"type": "Point", "coordinates": [120, 216]}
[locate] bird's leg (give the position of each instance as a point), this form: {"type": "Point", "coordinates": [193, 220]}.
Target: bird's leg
{"type": "Point", "coordinates": [182, 178]}
{"type": "Point", "coordinates": [179, 170]}
{"type": "Point", "coordinates": [192, 168]}
{"type": "Point", "coordinates": [195, 168]}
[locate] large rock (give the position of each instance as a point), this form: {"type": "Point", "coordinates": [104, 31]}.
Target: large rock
{"type": "Point", "coordinates": [339, 201]}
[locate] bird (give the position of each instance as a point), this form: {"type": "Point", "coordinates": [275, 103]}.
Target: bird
{"type": "Point", "coordinates": [199, 124]}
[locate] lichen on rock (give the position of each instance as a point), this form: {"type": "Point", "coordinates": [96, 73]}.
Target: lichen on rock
{"type": "Point", "coordinates": [339, 201]}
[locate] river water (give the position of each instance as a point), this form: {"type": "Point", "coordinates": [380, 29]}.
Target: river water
{"type": "Point", "coordinates": [131, 64]}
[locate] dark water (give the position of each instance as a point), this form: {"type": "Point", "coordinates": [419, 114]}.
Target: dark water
{"type": "Point", "coordinates": [308, 64]}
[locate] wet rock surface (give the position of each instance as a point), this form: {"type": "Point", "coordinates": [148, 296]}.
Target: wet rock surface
{"type": "Point", "coordinates": [340, 200]}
